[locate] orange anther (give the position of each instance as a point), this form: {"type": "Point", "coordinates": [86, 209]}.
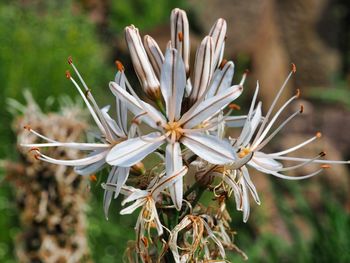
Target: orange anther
{"type": "Point", "coordinates": [180, 35]}
{"type": "Point", "coordinates": [234, 106]}
{"type": "Point", "coordinates": [222, 64]}
{"type": "Point", "coordinates": [322, 154]}
{"type": "Point", "coordinates": [68, 76]}
{"type": "Point", "coordinates": [325, 166]}
{"type": "Point", "coordinates": [298, 93]}
{"type": "Point", "coordinates": [70, 60]}
{"type": "Point", "coordinates": [34, 149]}
{"type": "Point", "coordinates": [318, 134]}
{"type": "Point", "coordinates": [27, 127]}
{"type": "Point", "coordinates": [36, 156]}
{"type": "Point", "coordinates": [246, 71]}
{"type": "Point", "coordinates": [93, 178]}
{"type": "Point", "coordinates": [144, 241]}
{"type": "Point", "coordinates": [294, 68]}
{"type": "Point", "coordinates": [119, 65]}
{"type": "Point", "coordinates": [301, 108]}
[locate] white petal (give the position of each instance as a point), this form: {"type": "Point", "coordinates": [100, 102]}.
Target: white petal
{"type": "Point", "coordinates": [214, 238]}
{"type": "Point", "coordinates": [70, 145]}
{"type": "Point", "coordinates": [237, 192]}
{"type": "Point", "coordinates": [209, 148]}
{"type": "Point", "coordinates": [77, 162]}
{"type": "Point", "coordinates": [154, 54]}
{"type": "Point", "coordinates": [173, 164]}
{"type": "Point", "coordinates": [145, 112]}
{"type": "Point", "coordinates": [134, 195]}
{"type": "Point", "coordinates": [90, 168]}
{"type": "Point", "coordinates": [210, 107]}
{"type": "Point", "coordinates": [133, 207]}
{"type": "Point", "coordinates": [112, 124]}
{"type": "Point", "coordinates": [172, 83]}
{"type": "Point", "coordinates": [166, 181]}
{"type": "Point", "coordinates": [265, 165]}
{"type": "Point", "coordinates": [250, 127]}
{"type": "Point", "coordinates": [180, 37]}
{"type": "Point", "coordinates": [250, 185]}
{"type": "Point", "coordinates": [235, 121]}
{"type": "Point", "coordinates": [218, 33]}
{"type": "Point", "coordinates": [221, 80]}
{"type": "Point", "coordinates": [245, 205]}
{"type": "Point", "coordinates": [132, 151]}
{"type": "Point", "coordinates": [203, 68]}
{"type": "Point", "coordinates": [142, 65]}
{"type": "Point", "coordinates": [118, 176]}
{"type": "Point", "coordinates": [121, 107]}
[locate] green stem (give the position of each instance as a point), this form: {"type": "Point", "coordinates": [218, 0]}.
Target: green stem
{"type": "Point", "coordinates": [160, 106]}
{"type": "Point", "coordinates": [198, 196]}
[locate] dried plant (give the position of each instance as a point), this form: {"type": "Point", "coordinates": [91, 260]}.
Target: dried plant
{"type": "Point", "coordinates": [51, 199]}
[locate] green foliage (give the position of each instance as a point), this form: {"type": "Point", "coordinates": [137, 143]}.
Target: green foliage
{"type": "Point", "coordinates": [34, 50]}
{"type": "Point", "coordinates": [338, 95]}
{"type": "Point", "coordinates": [144, 14]}
{"type": "Point", "coordinates": [108, 238]}
{"type": "Point", "coordinates": [34, 46]}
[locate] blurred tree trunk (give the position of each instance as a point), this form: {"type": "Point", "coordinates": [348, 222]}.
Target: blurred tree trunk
{"type": "Point", "coordinates": [275, 34]}
{"type": "Point", "coordinates": [51, 199]}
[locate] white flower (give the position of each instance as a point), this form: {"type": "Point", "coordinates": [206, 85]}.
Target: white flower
{"type": "Point", "coordinates": [142, 65]}
{"type": "Point", "coordinates": [147, 199]}
{"type": "Point", "coordinates": [254, 137]}
{"type": "Point", "coordinates": [197, 234]}
{"type": "Point", "coordinates": [111, 132]}
{"type": "Point", "coordinates": [190, 111]}
{"type": "Point", "coordinates": [174, 128]}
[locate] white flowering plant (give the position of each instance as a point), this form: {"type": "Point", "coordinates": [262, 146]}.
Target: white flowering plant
{"type": "Point", "coordinates": [184, 126]}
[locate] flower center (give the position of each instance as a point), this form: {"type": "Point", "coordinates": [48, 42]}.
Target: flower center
{"type": "Point", "coordinates": [243, 152]}
{"type": "Point", "coordinates": [175, 130]}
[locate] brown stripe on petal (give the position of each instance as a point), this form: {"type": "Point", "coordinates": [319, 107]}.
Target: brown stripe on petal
{"type": "Point", "coordinates": [169, 179]}
{"type": "Point", "coordinates": [208, 148]}
{"type": "Point", "coordinates": [203, 68]}
{"type": "Point", "coordinates": [210, 105]}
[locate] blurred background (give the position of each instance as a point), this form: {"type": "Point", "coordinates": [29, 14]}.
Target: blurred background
{"type": "Point", "coordinates": [302, 221]}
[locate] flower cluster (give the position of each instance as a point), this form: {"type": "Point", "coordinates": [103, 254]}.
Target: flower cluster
{"type": "Point", "coordinates": [183, 124]}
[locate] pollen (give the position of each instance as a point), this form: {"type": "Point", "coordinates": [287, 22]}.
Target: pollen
{"type": "Point", "coordinates": [180, 36]}
{"type": "Point", "coordinates": [93, 178]}
{"type": "Point", "coordinates": [70, 60]}
{"type": "Point", "coordinates": [68, 75]}
{"type": "Point", "coordinates": [234, 106]}
{"type": "Point", "coordinates": [318, 134]}
{"type": "Point", "coordinates": [244, 152]}
{"type": "Point", "coordinates": [223, 63]}
{"type": "Point", "coordinates": [175, 130]}
{"type": "Point", "coordinates": [119, 65]}
{"type": "Point", "coordinates": [34, 149]}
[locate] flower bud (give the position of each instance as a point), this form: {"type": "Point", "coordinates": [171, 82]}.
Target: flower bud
{"type": "Point", "coordinates": [154, 53]}
{"type": "Point", "coordinates": [203, 68]}
{"type": "Point", "coordinates": [218, 33]}
{"type": "Point", "coordinates": [180, 37]}
{"type": "Point", "coordinates": [142, 65]}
